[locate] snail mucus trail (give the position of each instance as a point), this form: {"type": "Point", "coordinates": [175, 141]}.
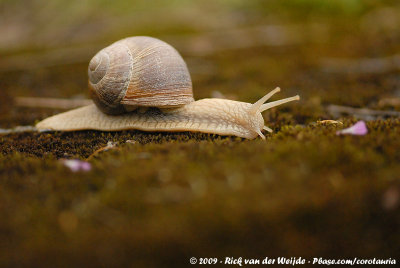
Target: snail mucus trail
{"type": "Point", "coordinates": [143, 83]}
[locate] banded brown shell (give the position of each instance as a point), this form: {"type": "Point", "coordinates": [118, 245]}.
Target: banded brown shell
{"type": "Point", "coordinates": [139, 72]}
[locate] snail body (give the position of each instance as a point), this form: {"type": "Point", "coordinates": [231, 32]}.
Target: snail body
{"type": "Point", "coordinates": [155, 95]}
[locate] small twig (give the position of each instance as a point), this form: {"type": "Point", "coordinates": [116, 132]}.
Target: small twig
{"type": "Point", "coordinates": [361, 113]}
{"type": "Point", "coordinates": [395, 102]}
{"type": "Point", "coordinates": [329, 122]}
{"type": "Point", "coordinates": [55, 103]}
{"type": "Point", "coordinates": [110, 146]}
{"type": "Point", "coordinates": [17, 129]}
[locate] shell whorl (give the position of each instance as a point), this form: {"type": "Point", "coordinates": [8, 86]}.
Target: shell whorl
{"type": "Point", "coordinates": [139, 71]}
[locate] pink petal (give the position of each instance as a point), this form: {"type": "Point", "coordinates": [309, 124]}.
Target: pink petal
{"type": "Point", "coordinates": [77, 165]}
{"type": "Point", "coordinates": [86, 166]}
{"type": "Point", "coordinates": [359, 128]}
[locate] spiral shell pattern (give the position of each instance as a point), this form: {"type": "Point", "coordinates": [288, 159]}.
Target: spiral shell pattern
{"type": "Point", "coordinates": [139, 72]}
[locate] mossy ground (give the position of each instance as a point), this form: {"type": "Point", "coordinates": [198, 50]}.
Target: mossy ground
{"type": "Point", "coordinates": [303, 192]}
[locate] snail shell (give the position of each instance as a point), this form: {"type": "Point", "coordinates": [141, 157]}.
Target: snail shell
{"type": "Point", "coordinates": [147, 72]}
{"type": "Point", "coordinates": [139, 72]}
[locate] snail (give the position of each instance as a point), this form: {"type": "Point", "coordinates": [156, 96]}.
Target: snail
{"type": "Point", "coordinates": [143, 83]}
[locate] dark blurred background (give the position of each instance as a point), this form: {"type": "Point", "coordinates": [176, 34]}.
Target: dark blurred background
{"type": "Point", "coordinates": [229, 45]}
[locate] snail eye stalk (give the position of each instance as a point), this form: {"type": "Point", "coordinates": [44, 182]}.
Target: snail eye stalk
{"type": "Point", "coordinates": [257, 105]}
{"type": "Point", "coordinates": [270, 105]}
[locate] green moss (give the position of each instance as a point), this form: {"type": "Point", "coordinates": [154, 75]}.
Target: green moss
{"type": "Point", "coordinates": [302, 185]}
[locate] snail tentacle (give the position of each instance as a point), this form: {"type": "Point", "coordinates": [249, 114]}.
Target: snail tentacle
{"type": "Point", "coordinates": [257, 105]}
{"type": "Point", "coordinates": [267, 129]}
{"type": "Point", "coordinates": [270, 105]}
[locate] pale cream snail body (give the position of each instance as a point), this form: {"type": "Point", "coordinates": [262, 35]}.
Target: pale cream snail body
{"type": "Point", "coordinates": [143, 83]}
